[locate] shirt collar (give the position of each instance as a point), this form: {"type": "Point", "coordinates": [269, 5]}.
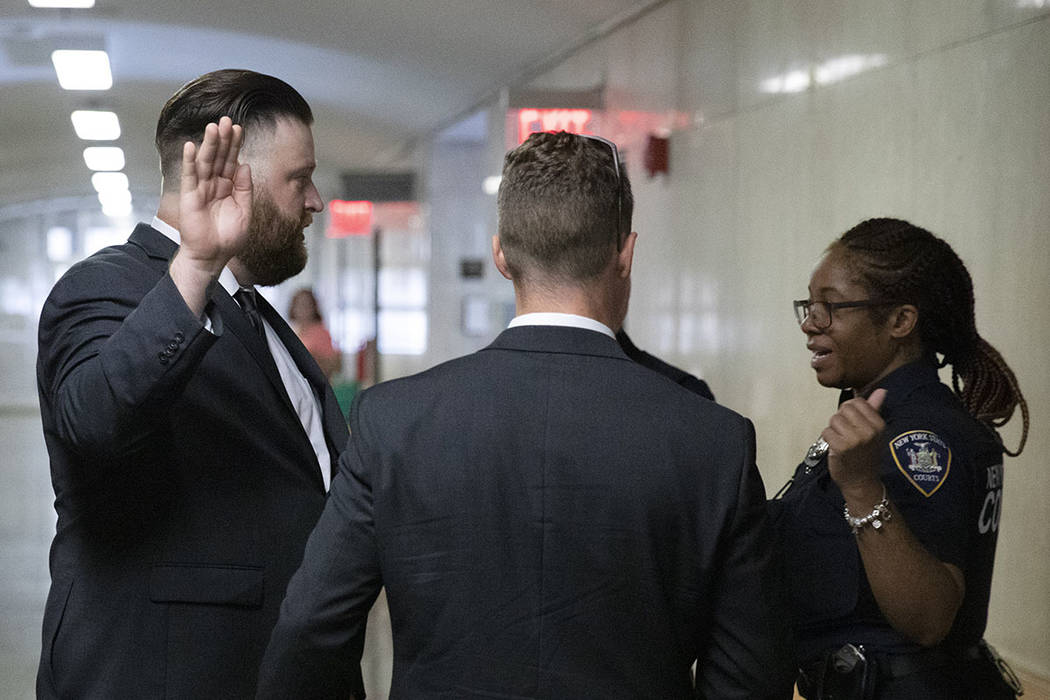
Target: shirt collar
{"type": "Point", "coordinates": [550, 318]}
{"type": "Point", "coordinates": [167, 229]}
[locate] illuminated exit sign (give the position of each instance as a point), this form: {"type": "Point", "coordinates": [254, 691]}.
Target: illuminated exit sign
{"type": "Point", "coordinates": [349, 218]}
{"type": "Point", "coordinates": [530, 120]}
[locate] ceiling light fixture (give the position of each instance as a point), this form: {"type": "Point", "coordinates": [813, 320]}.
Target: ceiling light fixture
{"type": "Point", "coordinates": [117, 203]}
{"type": "Point", "coordinates": [82, 70]}
{"type": "Point", "coordinates": [109, 181]}
{"type": "Point", "coordinates": [92, 125]}
{"type": "Point", "coordinates": [104, 158]}
{"type": "Point", "coordinates": [72, 4]}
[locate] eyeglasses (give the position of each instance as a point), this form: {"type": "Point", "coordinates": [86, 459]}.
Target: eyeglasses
{"type": "Point", "coordinates": [619, 183]}
{"type": "Point", "coordinates": [819, 312]}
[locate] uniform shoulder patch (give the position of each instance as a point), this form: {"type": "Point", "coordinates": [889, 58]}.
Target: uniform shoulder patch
{"type": "Point", "coordinates": [924, 459]}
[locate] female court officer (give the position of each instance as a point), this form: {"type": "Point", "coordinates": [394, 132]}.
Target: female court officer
{"type": "Point", "coordinates": [890, 522]}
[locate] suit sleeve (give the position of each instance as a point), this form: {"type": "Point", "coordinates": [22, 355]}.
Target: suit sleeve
{"type": "Point", "coordinates": [315, 649]}
{"type": "Point", "coordinates": [114, 345]}
{"type": "Point", "coordinates": [747, 652]}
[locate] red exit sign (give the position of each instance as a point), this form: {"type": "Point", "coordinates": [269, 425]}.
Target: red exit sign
{"type": "Point", "coordinates": [349, 218]}
{"type": "Point", "coordinates": [531, 120]}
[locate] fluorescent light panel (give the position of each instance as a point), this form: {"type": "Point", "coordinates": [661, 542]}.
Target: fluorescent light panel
{"type": "Point", "coordinates": [108, 182]}
{"type": "Point", "coordinates": [104, 158]}
{"type": "Point", "coordinates": [92, 125]}
{"type": "Point", "coordinates": [116, 207]}
{"type": "Point", "coordinates": [114, 197]}
{"type": "Point", "coordinates": [82, 70]}
{"type": "Point", "coordinates": [76, 4]}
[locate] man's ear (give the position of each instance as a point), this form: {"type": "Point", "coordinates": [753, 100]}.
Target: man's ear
{"type": "Point", "coordinates": [499, 258]}
{"type": "Point", "coordinates": [625, 258]}
{"type": "Point", "coordinates": [904, 321]}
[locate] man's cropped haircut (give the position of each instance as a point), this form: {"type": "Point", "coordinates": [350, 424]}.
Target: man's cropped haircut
{"type": "Point", "coordinates": [557, 207]}
{"type": "Point", "coordinates": [250, 99]}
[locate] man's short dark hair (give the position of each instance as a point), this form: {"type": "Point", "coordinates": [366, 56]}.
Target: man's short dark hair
{"type": "Point", "coordinates": [557, 207]}
{"type": "Point", "coordinates": [250, 99]}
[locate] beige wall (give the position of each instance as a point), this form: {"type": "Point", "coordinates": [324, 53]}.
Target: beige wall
{"type": "Point", "coordinates": [949, 127]}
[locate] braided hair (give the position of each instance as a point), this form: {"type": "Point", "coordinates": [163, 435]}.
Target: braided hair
{"type": "Point", "coordinates": [901, 262]}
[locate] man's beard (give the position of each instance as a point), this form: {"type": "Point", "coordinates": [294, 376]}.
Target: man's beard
{"type": "Point", "coordinates": [276, 249]}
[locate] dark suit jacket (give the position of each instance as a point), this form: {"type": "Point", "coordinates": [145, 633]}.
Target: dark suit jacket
{"type": "Point", "coordinates": [550, 520]}
{"type": "Point", "coordinates": [678, 376]}
{"type": "Point", "coordinates": [184, 482]}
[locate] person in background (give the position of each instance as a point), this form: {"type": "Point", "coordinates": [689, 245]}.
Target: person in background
{"type": "Point", "coordinates": [191, 435]}
{"type": "Point", "coordinates": [890, 523]}
{"type": "Point", "coordinates": [304, 313]}
{"type": "Point", "coordinates": [549, 518]}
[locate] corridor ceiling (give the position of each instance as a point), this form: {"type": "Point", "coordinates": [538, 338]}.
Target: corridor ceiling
{"type": "Point", "coordinates": [379, 74]}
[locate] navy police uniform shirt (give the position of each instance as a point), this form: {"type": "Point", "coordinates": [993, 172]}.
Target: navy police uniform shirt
{"type": "Point", "coordinates": [943, 471]}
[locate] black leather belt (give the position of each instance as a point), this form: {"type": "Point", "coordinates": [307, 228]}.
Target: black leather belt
{"type": "Point", "coordinates": [898, 665]}
{"type": "Point", "coordinates": [852, 671]}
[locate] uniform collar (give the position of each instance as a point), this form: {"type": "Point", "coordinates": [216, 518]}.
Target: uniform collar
{"type": "Point", "coordinates": [901, 382]}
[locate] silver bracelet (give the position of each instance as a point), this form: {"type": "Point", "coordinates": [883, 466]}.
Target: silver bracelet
{"type": "Point", "coordinates": [879, 515]}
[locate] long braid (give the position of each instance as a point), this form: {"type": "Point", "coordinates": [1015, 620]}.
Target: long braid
{"type": "Point", "coordinates": [990, 391]}
{"type": "Point", "coordinates": [907, 264]}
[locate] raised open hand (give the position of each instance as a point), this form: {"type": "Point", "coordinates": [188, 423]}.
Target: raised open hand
{"type": "Point", "coordinates": [855, 446]}
{"type": "Point", "coordinates": [215, 199]}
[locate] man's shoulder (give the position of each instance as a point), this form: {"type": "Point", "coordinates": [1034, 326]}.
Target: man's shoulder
{"type": "Point", "coordinates": [109, 273]}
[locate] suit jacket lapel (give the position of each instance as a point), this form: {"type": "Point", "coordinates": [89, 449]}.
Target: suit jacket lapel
{"type": "Point", "coordinates": [311, 370]}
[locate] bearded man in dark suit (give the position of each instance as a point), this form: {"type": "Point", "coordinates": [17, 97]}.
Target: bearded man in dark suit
{"type": "Point", "coordinates": [192, 437]}
{"type": "Point", "coordinates": [549, 518]}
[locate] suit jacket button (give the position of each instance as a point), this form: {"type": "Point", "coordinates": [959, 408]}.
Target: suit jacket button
{"type": "Point", "coordinates": [173, 346]}
{"type": "Point", "coordinates": [179, 337]}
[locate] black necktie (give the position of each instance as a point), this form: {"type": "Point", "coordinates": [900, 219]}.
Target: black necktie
{"type": "Point", "coordinates": [245, 296]}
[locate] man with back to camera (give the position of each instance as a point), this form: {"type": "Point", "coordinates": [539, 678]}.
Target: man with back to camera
{"type": "Point", "coordinates": [549, 518]}
{"type": "Point", "coordinates": [191, 438]}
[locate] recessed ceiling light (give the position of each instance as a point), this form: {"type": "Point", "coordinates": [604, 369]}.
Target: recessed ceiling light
{"type": "Point", "coordinates": [114, 197]}
{"type": "Point", "coordinates": [77, 4]}
{"type": "Point", "coordinates": [109, 181]}
{"type": "Point", "coordinates": [115, 203]}
{"type": "Point", "coordinates": [82, 70]}
{"type": "Point", "coordinates": [93, 125]}
{"type": "Point", "coordinates": [118, 210]}
{"type": "Point", "coordinates": [104, 158]}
